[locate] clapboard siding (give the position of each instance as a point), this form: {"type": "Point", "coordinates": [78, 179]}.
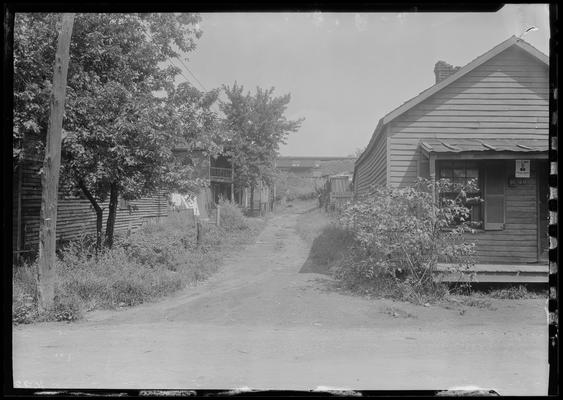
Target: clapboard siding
{"type": "Point", "coordinates": [75, 216]}
{"type": "Point", "coordinates": [517, 242]}
{"type": "Point", "coordinates": [505, 97]}
{"type": "Point", "coordinates": [373, 170]}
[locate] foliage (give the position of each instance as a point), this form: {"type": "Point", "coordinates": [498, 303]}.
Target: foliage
{"type": "Point", "coordinates": [153, 262]}
{"type": "Point", "coordinates": [24, 294]}
{"type": "Point", "coordinates": [311, 224]}
{"type": "Point", "coordinates": [358, 152]}
{"type": "Point", "coordinates": [231, 216]}
{"type": "Point", "coordinates": [292, 186]}
{"type": "Point", "coordinates": [401, 235]}
{"type": "Point", "coordinates": [121, 132]}
{"type": "Point", "coordinates": [513, 292]}
{"type": "Point", "coordinates": [257, 127]}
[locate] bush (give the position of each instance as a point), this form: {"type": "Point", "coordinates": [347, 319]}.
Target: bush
{"type": "Point", "coordinates": [231, 216]}
{"type": "Point", "coordinates": [400, 237]}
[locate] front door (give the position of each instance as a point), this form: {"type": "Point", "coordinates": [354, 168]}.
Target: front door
{"type": "Point", "coordinates": [543, 214]}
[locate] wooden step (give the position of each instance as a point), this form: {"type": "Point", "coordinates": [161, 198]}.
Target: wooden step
{"type": "Point", "coordinates": [510, 273]}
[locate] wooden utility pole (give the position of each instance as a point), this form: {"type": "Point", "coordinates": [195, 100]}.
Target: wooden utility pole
{"type": "Point", "coordinates": [50, 173]}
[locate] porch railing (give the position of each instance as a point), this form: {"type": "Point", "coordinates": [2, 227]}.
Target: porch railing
{"type": "Point", "coordinates": [224, 173]}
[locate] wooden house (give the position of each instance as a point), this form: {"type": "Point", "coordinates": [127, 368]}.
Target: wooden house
{"type": "Point", "coordinates": [487, 120]}
{"type": "Point", "coordinates": [75, 215]}
{"type": "Point", "coordinates": [220, 176]}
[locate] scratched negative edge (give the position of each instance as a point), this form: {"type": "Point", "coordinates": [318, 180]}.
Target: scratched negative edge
{"type": "Point", "coordinates": [553, 301]}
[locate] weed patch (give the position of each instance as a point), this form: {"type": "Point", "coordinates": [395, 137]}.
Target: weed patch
{"type": "Point", "coordinates": [311, 224]}
{"type": "Point", "coordinates": [151, 263]}
{"type": "Point", "coordinates": [231, 217]}
{"type": "Point", "coordinates": [512, 292]}
{"type": "Point", "coordinates": [470, 301]}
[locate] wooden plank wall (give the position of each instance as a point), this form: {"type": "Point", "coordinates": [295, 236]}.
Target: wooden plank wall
{"type": "Point", "coordinates": [505, 97]}
{"type": "Point", "coordinates": [372, 170]}
{"type": "Point", "coordinates": [75, 216]}
{"type": "Point", "coordinates": [339, 184]}
{"type": "Point", "coordinates": [517, 242]}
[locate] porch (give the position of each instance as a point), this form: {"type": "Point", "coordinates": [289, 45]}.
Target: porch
{"type": "Point", "coordinates": [512, 223]}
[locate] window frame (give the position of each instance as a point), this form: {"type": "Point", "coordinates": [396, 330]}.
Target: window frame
{"type": "Point", "coordinates": [477, 212]}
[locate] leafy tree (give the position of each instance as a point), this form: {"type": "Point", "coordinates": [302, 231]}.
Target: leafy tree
{"type": "Point", "coordinates": [122, 133]}
{"type": "Point", "coordinates": [358, 152]}
{"type": "Point", "coordinates": [257, 127]}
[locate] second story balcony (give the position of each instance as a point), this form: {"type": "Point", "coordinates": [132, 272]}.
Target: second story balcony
{"type": "Point", "coordinates": [220, 174]}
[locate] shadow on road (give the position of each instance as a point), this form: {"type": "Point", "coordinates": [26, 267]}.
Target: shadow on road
{"type": "Point", "coordinates": [327, 250]}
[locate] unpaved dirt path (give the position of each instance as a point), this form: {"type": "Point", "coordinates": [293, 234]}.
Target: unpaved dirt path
{"type": "Point", "coordinates": [259, 323]}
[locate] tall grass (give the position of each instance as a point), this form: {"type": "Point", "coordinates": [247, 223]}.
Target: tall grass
{"type": "Point", "coordinates": [155, 261]}
{"type": "Point", "coordinates": [311, 224]}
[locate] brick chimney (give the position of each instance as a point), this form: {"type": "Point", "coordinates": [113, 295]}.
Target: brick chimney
{"type": "Point", "coordinates": [442, 70]}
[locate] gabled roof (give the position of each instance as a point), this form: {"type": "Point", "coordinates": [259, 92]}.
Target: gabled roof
{"type": "Point", "coordinates": [512, 41]}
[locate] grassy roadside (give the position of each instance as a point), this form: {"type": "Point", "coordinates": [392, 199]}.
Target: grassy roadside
{"type": "Point", "coordinates": [311, 224]}
{"type": "Point", "coordinates": [149, 264]}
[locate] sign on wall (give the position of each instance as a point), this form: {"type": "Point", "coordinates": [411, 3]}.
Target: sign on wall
{"type": "Point", "coordinates": [522, 169]}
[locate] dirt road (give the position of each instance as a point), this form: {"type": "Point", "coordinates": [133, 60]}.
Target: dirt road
{"type": "Point", "coordinates": [259, 323]}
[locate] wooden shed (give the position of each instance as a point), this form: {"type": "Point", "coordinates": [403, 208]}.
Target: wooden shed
{"type": "Point", "coordinates": [488, 120]}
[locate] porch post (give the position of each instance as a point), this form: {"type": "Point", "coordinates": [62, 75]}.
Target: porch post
{"type": "Point", "coordinates": [432, 165]}
{"type": "Point", "coordinates": [232, 183]}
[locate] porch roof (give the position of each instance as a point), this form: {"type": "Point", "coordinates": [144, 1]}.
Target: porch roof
{"type": "Point", "coordinates": [480, 145]}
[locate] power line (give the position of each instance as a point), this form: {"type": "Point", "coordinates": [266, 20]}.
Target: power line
{"type": "Point", "coordinates": [181, 72]}
{"type": "Point", "coordinates": [214, 106]}
{"type": "Point", "coordinates": [191, 73]}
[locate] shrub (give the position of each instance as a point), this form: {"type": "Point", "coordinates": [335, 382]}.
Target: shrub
{"type": "Point", "coordinates": [400, 236]}
{"type": "Point", "coordinates": [24, 294]}
{"type": "Point", "coordinates": [231, 216]}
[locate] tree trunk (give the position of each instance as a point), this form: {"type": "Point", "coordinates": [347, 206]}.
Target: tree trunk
{"type": "Point", "coordinates": [251, 199]}
{"type": "Point", "coordinates": [50, 174]}
{"type": "Point", "coordinates": [99, 214]}
{"type": "Point", "coordinates": [112, 212]}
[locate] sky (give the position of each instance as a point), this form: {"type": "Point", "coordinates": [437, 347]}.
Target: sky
{"type": "Point", "coordinates": [345, 71]}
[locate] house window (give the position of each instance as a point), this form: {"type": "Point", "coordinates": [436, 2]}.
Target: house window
{"type": "Point", "coordinates": [463, 174]}
{"type": "Point", "coordinates": [123, 204]}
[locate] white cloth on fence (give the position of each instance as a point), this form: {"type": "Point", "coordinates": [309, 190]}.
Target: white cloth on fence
{"type": "Point", "coordinates": [184, 202]}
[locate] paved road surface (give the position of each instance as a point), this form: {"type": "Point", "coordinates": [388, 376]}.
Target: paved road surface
{"type": "Point", "coordinates": [260, 323]}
